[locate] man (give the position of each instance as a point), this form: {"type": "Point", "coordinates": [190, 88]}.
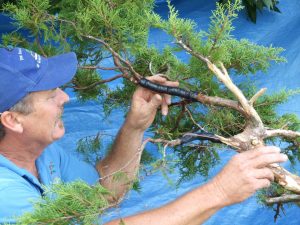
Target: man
{"type": "Point", "coordinates": [31, 105]}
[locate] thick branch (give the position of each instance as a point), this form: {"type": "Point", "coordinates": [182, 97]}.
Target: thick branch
{"type": "Point", "coordinates": [283, 199]}
{"type": "Point", "coordinates": [224, 77]}
{"type": "Point", "coordinates": [286, 179]}
{"type": "Point", "coordinates": [217, 101]}
{"type": "Point", "coordinates": [283, 133]}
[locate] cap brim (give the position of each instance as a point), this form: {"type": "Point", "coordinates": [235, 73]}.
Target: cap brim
{"type": "Point", "coordinates": [60, 70]}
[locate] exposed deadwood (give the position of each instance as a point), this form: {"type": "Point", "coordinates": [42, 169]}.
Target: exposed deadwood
{"type": "Point", "coordinates": [283, 199]}
{"type": "Point", "coordinates": [223, 76]}
{"type": "Point", "coordinates": [282, 133]}
{"type": "Point", "coordinates": [286, 179]}
{"type": "Point", "coordinates": [257, 95]}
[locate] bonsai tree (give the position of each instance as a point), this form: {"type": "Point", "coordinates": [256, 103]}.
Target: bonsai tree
{"type": "Point", "coordinates": [210, 110]}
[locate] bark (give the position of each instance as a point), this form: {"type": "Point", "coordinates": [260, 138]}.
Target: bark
{"type": "Point", "coordinates": [283, 199]}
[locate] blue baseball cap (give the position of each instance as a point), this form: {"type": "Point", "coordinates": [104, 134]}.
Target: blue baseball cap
{"type": "Point", "coordinates": [23, 71]}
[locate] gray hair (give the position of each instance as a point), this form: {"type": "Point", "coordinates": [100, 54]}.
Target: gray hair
{"type": "Point", "coordinates": [24, 106]}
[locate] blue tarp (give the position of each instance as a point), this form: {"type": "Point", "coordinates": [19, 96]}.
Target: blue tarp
{"type": "Point", "coordinates": [278, 29]}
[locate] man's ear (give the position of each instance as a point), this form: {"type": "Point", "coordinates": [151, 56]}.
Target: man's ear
{"type": "Point", "coordinates": [12, 121]}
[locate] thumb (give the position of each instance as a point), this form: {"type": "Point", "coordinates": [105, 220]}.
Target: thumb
{"type": "Point", "coordinates": [156, 101]}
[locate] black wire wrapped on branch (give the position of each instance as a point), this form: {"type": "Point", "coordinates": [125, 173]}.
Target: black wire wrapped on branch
{"type": "Point", "coordinates": [163, 89]}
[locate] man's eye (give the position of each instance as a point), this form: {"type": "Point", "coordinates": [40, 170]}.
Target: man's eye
{"type": "Point", "coordinates": [53, 94]}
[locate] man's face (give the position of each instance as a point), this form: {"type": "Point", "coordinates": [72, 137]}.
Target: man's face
{"type": "Point", "coordinates": [45, 124]}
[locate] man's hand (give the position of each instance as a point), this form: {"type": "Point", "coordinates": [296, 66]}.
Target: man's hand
{"type": "Point", "coordinates": [246, 173]}
{"type": "Point", "coordinates": [145, 104]}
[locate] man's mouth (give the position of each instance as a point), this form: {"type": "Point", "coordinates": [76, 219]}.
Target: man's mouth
{"type": "Point", "coordinates": [60, 124]}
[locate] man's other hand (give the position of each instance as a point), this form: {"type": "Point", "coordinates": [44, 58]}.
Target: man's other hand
{"type": "Point", "coordinates": [246, 173]}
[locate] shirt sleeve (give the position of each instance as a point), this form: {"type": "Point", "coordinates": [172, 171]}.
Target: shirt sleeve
{"type": "Point", "coordinates": [73, 169]}
{"type": "Point", "coordinates": [16, 198]}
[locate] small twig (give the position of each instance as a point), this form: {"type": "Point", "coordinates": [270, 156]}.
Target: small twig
{"type": "Point", "coordinates": [277, 211]}
{"type": "Point", "coordinates": [98, 67]}
{"type": "Point", "coordinates": [192, 118]}
{"type": "Point", "coordinates": [37, 39]}
{"type": "Point", "coordinates": [257, 95]}
{"type": "Point", "coordinates": [188, 137]}
{"type": "Point", "coordinates": [215, 40]}
{"type": "Point", "coordinates": [107, 46]}
{"type": "Point", "coordinates": [119, 65]}
{"type": "Point", "coordinates": [181, 103]}
{"type": "Point", "coordinates": [99, 82]}
{"type": "Point", "coordinates": [179, 118]}
{"type": "Point", "coordinates": [189, 50]}
{"type": "Point", "coordinates": [137, 154]}
{"type": "Point", "coordinates": [150, 68]}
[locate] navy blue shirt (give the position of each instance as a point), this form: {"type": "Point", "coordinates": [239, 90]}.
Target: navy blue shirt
{"type": "Point", "coordinates": [19, 188]}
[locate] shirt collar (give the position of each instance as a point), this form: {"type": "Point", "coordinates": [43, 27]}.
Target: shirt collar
{"type": "Point", "coordinates": [4, 162]}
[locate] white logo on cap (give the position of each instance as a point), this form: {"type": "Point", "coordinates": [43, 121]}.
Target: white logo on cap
{"type": "Point", "coordinates": [20, 55]}
{"type": "Point", "coordinates": [34, 55]}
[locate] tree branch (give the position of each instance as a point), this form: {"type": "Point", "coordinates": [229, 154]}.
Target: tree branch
{"type": "Point", "coordinates": [283, 199]}
{"type": "Point", "coordinates": [282, 133]}
{"type": "Point", "coordinates": [99, 82]}
{"type": "Point", "coordinates": [98, 67]}
{"type": "Point", "coordinates": [257, 95]}
{"type": "Point", "coordinates": [115, 54]}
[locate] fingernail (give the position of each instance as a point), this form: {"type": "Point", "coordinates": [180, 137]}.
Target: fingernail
{"type": "Point", "coordinates": [277, 149]}
{"type": "Point", "coordinates": [285, 157]}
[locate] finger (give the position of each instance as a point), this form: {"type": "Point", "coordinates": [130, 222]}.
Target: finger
{"type": "Point", "coordinates": [167, 99]}
{"type": "Point", "coordinates": [267, 159]}
{"type": "Point", "coordinates": [157, 78]}
{"type": "Point", "coordinates": [162, 80]}
{"type": "Point", "coordinates": [164, 108]}
{"type": "Point", "coordinates": [259, 151]}
{"type": "Point", "coordinates": [268, 149]}
{"type": "Point", "coordinates": [165, 104]}
{"type": "Point", "coordinates": [172, 83]}
{"type": "Point", "coordinates": [155, 101]}
{"type": "Point", "coordinates": [264, 173]}
{"type": "Point", "coordinates": [262, 183]}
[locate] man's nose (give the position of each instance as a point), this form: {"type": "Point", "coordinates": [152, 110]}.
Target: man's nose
{"type": "Point", "coordinates": [64, 97]}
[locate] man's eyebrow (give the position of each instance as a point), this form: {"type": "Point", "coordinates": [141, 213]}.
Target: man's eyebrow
{"type": "Point", "coordinates": [51, 92]}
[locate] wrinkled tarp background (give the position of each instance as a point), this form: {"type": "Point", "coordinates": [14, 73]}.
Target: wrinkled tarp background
{"type": "Point", "coordinates": [280, 30]}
